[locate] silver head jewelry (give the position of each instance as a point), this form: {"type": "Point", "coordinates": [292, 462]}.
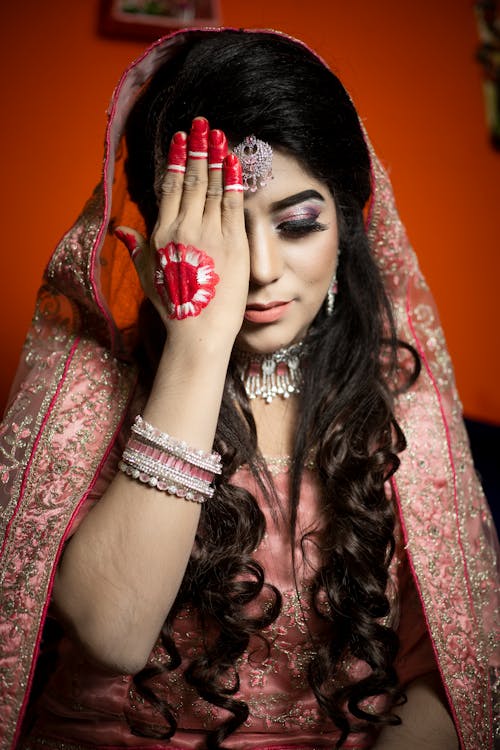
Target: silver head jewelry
{"type": "Point", "coordinates": [256, 158]}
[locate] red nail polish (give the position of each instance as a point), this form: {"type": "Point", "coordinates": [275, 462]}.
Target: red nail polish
{"type": "Point", "coordinates": [233, 179]}
{"type": "Point", "coordinates": [217, 149]}
{"type": "Point", "coordinates": [177, 153]}
{"type": "Point", "coordinates": [198, 139]}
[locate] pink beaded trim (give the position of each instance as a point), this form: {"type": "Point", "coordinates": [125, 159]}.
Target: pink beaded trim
{"type": "Point", "coordinates": [162, 484]}
{"type": "Point", "coordinates": [169, 460]}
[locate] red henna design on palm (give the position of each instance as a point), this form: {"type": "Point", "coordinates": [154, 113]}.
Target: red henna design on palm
{"type": "Point", "coordinates": [185, 280]}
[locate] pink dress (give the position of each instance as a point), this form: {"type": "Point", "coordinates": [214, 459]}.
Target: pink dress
{"type": "Point", "coordinates": [70, 397]}
{"type": "Point", "coordinates": [83, 706]}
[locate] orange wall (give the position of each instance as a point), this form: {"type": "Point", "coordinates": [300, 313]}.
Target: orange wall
{"type": "Point", "coordinates": [410, 68]}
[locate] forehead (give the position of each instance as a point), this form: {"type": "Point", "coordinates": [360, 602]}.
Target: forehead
{"type": "Point", "coordinates": [289, 177]}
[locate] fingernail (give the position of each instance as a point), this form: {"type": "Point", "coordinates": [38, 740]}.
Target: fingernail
{"type": "Point", "coordinates": [217, 149]}
{"type": "Point", "coordinates": [129, 241]}
{"type": "Point", "coordinates": [233, 179]}
{"type": "Point", "coordinates": [177, 153]}
{"type": "Point", "coordinates": [198, 139]}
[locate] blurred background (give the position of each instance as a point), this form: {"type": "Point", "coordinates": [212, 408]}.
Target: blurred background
{"type": "Point", "coordinates": [411, 69]}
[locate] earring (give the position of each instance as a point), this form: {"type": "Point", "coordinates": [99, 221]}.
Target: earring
{"type": "Point", "coordinates": [330, 295]}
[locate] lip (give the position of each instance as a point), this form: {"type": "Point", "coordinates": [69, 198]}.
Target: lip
{"type": "Point", "coordinates": [257, 313]}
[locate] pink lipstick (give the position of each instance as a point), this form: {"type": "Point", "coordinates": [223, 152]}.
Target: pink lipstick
{"type": "Point", "coordinates": [266, 313]}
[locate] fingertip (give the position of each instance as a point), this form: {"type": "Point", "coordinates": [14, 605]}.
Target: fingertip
{"type": "Point", "coordinates": [233, 179]}
{"type": "Point", "coordinates": [217, 149]}
{"type": "Point", "coordinates": [177, 152]}
{"type": "Point", "coordinates": [198, 138]}
{"type": "Point", "coordinates": [199, 124]}
{"type": "Point", "coordinates": [129, 239]}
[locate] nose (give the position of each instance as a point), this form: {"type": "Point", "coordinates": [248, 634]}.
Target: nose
{"type": "Point", "coordinates": [266, 262]}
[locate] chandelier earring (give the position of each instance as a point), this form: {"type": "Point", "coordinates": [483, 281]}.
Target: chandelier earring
{"type": "Point", "coordinates": [330, 295]}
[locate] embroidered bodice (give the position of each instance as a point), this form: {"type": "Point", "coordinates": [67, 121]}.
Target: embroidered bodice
{"type": "Point", "coordinates": [84, 705]}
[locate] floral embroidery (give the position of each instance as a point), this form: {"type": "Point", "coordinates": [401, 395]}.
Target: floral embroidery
{"type": "Point", "coordinates": [40, 503]}
{"type": "Point", "coordinates": [439, 496]}
{"type": "Point", "coordinates": [13, 445]}
{"type": "Point", "coordinates": [273, 677]}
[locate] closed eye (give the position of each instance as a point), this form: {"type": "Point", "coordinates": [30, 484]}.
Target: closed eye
{"type": "Point", "coordinates": [297, 228]}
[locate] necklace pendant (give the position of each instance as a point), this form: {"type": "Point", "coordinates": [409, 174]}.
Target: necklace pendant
{"type": "Point", "coordinates": [267, 376]}
{"type": "Point", "coordinates": [268, 366]}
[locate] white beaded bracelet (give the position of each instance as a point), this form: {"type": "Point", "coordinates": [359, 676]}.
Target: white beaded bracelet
{"type": "Point", "coordinates": [161, 484]}
{"type": "Point", "coordinates": [152, 436]}
{"type": "Point", "coordinates": [156, 469]}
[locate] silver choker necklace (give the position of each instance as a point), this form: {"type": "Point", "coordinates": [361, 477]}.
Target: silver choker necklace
{"type": "Point", "coordinates": [269, 375]}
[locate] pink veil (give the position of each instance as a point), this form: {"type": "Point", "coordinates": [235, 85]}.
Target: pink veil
{"type": "Point", "coordinates": [70, 398]}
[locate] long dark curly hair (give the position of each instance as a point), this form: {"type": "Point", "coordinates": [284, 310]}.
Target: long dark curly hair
{"type": "Point", "coordinates": [274, 88]}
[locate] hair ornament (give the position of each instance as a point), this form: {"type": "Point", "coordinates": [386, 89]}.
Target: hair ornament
{"type": "Point", "coordinates": [256, 158]}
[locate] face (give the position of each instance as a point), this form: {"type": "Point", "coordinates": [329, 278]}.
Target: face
{"type": "Point", "coordinates": [292, 233]}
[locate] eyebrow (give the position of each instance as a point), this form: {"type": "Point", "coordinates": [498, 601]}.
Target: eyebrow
{"type": "Point", "coordinates": [292, 200]}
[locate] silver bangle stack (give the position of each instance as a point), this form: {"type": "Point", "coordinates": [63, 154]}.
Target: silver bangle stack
{"type": "Point", "coordinates": [159, 460]}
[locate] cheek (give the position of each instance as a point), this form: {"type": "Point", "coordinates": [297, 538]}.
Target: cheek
{"type": "Point", "coordinates": [316, 265]}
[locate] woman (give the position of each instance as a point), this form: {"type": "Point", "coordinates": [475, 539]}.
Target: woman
{"type": "Point", "coordinates": [298, 588]}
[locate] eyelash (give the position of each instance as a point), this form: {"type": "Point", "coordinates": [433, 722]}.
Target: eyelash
{"type": "Point", "coordinates": [300, 227]}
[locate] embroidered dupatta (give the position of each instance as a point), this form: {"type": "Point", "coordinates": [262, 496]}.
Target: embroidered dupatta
{"type": "Point", "coordinates": [71, 395]}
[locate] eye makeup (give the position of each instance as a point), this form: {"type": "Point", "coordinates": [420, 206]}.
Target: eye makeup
{"type": "Point", "coordinates": [299, 220]}
{"type": "Point", "coordinates": [300, 213]}
{"type": "Point", "coordinates": [294, 216]}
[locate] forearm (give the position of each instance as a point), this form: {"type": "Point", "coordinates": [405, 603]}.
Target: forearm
{"type": "Point", "coordinates": [426, 723]}
{"type": "Point", "coordinates": [122, 570]}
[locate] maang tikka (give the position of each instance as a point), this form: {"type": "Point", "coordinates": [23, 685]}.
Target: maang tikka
{"type": "Point", "coordinates": [256, 158]}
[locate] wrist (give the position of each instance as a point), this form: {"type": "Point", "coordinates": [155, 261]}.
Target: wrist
{"type": "Point", "coordinates": [187, 391]}
{"type": "Point", "coordinates": [195, 349]}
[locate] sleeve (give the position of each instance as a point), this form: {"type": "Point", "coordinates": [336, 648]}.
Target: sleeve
{"type": "Point", "coordinates": [106, 475]}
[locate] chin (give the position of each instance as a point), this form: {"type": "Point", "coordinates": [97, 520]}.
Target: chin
{"type": "Point", "coordinates": [265, 339]}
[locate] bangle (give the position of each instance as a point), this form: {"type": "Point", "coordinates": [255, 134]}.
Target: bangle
{"type": "Point", "coordinates": [162, 484]}
{"type": "Point", "coordinates": [167, 459]}
{"type": "Point", "coordinates": [162, 440]}
{"type": "Point", "coordinates": [159, 470]}
{"type": "Point", "coordinates": [169, 465]}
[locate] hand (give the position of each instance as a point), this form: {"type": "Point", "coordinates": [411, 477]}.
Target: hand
{"type": "Point", "coordinates": [200, 207]}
